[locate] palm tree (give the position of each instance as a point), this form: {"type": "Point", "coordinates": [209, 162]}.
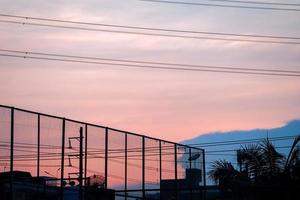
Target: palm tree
{"type": "Point", "coordinates": [292, 165]}
{"type": "Point", "coordinates": [272, 162]}
{"type": "Point", "coordinates": [259, 165]}
{"type": "Point", "coordinates": [249, 159]}
{"type": "Point", "coordinates": [226, 176]}
{"type": "Point", "coordinates": [289, 158]}
{"type": "Point", "coordinates": [260, 162]}
{"type": "Point", "coordinates": [222, 172]}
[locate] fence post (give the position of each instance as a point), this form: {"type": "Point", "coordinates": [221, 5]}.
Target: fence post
{"type": "Point", "coordinates": [204, 173]}
{"type": "Point", "coordinates": [62, 159]}
{"type": "Point", "coordinates": [143, 167]}
{"type": "Point", "coordinates": [38, 147]}
{"type": "Point", "coordinates": [106, 156]}
{"type": "Point", "coordinates": [160, 168]}
{"type": "Point", "coordinates": [12, 120]}
{"type": "Point", "coordinates": [85, 162]}
{"type": "Point", "coordinates": [80, 163]}
{"type": "Point", "coordinates": [190, 180]}
{"type": "Point", "coordinates": [176, 176]}
{"type": "Point", "coordinates": [126, 166]}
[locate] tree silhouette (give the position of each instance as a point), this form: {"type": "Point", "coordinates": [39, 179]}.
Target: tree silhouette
{"type": "Point", "coordinates": [263, 172]}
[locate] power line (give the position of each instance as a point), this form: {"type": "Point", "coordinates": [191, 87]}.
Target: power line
{"type": "Point", "coordinates": [152, 34]}
{"type": "Point", "coordinates": [234, 150]}
{"type": "Point", "coordinates": [32, 157]}
{"type": "Point", "coordinates": [235, 36]}
{"type": "Point", "coordinates": [133, 150]}
{"type": "Point", "coordinates": [136, 149]}
{"type": "Point", "coordinates": [149, 62]}
{"type": "Point", "coordinates": [147, 149]}
{"type": "Point", "coordinates": [152, 67]}
{"type": "Point", "coordinates": [223, 5]}
{"type": "Point", "coordinates": [231, 142]}
{"type": "Point", "coordinates": [295, 74]}
{"type": "Point", "coordinates": [57, 157]}
{"type": "Point", "coordinates": [258, 2]}
{"type": "Point", "coordinates": [147, 28]}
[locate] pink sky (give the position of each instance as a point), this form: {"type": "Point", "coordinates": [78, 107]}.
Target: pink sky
{"type": "Point", "coordinates": [164, 104]}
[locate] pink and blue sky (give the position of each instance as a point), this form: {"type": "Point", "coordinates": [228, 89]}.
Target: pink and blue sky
{"type": "Point", "coordinates": [173, 105]}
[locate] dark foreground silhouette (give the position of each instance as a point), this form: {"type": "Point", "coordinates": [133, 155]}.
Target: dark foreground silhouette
{"type": "Point", "coordinates": [263, 173]}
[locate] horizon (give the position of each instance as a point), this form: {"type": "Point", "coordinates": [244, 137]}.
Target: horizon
{"type": "Point", "coordinates": [184, 140]}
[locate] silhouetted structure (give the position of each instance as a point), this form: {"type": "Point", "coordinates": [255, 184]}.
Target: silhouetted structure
{"type": "Point", "coordinates": [27, 187]}
{"type": "Point", "coordinates": [181, 189]}
{"type": "Point", "coordinates": [64, 156]}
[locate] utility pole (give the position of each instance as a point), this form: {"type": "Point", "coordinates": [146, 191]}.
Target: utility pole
{"type": "Point", "coordinates": [80, 157]}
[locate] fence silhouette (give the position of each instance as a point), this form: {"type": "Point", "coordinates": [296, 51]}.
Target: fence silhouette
{"type": "Point", "coordinates": [66, 159]}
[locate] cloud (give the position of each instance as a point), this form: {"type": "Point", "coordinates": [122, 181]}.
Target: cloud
{"type": "Point", "coordinates": [227, 152]}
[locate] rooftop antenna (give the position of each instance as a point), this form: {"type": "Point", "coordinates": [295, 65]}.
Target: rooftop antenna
{"type": "Point", "coordinates": [195, 156]}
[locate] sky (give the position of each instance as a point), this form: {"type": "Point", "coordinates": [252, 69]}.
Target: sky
{"type": "Point", "coordinates": [281, 137]}
{"type": "Point", "coordinates": [173, 105]}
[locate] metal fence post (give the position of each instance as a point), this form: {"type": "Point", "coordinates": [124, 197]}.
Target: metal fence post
{"type": "Point", "coordinates": [38, 145]}
{"type": "Point", "coordinates": [126, 166]}
{"type": "Point", "coordinates": [204, 173]}
{"type": "Point", "coordinates": [85, 162]}
{"type": "Point", "coordinates": [160, 168]}
{"type": "Point", "coordinates": [12, 120]}
{"type": "Point", "coordinates": [176, 176]}
{"type": "Point", "coordinates": [80, 162]}
{"type": "Point", "coordinates": [190, 180]}
{"type": "Point", "coordinates": [106, 156]}
{"type": "Point", "coordinates": [143, 167]}
{"type": "Point", "coordinates": [62, 159]}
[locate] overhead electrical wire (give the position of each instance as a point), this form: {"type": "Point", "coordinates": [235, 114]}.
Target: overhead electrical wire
{"type": "Point", "coordinates": [147, 28]}
{"type": "Point", "coordinates": [152, 67]}
{"type": "Point", "coordinates": [136, 30]}
{"type": "Point", "coordinates": [32, 157]}
{"type": "Point", "coordinates": [244, 141]}
{"type": "Point", "coordinates": [149, 62]}
{"type": "Point", "coordinates": [169, 147]}
{"type": "Point", "coordinates": [224, 5]}
{"type": "Point", "coordinates": [92, 154]}
{"type": "Point", "coordinates": [44, 157]}
{"type": "Point", "coordinates": [147, 148]}
{"type": "Point", "coordinates": [257, 2]}
{"type": "Point", "coordinates": [147, 167]}
{"type": "Point", "coordinates": [133, 150]}
{"type": "Point", "coordinates": [146, 64]}
{"type": "Point", "coordinates": [153, 34]}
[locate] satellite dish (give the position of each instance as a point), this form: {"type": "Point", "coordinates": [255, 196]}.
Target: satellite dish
{"type": "Point", "coordinates": [194, 157]}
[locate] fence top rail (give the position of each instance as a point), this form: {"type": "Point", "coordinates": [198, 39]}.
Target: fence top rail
{"type": "Point", "coordinates": [98, 126]}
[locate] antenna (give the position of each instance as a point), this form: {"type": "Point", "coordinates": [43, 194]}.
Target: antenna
{"type": "Point", "coordinates": [195, 156]}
